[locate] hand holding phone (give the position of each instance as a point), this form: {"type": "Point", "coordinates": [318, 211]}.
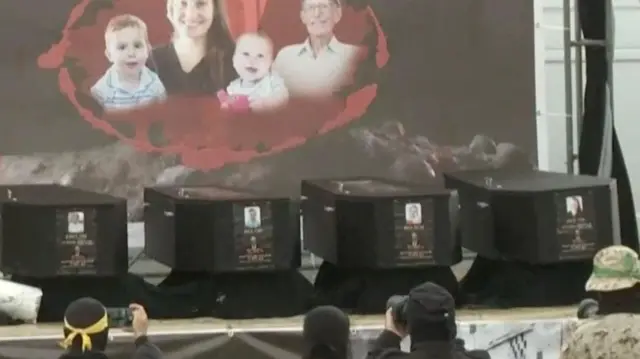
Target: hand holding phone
{"type": "Point", "coordinates": [120, 317]}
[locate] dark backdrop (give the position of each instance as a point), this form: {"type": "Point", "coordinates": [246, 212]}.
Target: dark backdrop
{"type": "Point", "coordinates": [457, 69]}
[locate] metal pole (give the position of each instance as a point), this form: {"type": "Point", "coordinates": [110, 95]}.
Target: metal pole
{"type": "Point", "coordinates": [610, 46]}
{"type": "Point", "coordinates": [568, 84]}
{"type": "Point", "coordinates": [577, 35]}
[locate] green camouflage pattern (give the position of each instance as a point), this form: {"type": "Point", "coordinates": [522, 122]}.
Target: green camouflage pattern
{"type": "Point", "coordinates": [614, 268]}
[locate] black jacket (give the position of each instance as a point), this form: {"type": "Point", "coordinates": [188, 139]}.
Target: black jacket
{"type": "Point", "coordinates": [387, 346]}
{"type": "Point", "coordinates": [144, 350]}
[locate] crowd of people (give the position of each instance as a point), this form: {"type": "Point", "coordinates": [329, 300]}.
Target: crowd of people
{"type": "Point", "coordinates": [430, 323]}
{"type": "Point", "coordinates": [426, 315]}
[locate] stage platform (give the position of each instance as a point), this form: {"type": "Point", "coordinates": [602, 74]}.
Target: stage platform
{"type": "Point", "coordinates": [209, 325]}
{"type": "Point", "coordinates": [513, 333]}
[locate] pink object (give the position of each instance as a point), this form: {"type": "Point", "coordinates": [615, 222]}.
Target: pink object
{"type": "Point", "coordinates": [240, 103]}
{"type": "Point", "coordinates": [223, 96]}
{"type": "Point", "coordinates": [233, 103]}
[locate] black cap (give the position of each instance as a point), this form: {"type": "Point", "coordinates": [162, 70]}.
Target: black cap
{"type": "Point", "coordinates": [430, 300]}
{"type": "Point", "coordinates": [430, 310]}
{"type": "Point", "coordinates": [83, 313]}
{"type": "Point", "coordinates": [328, 327]}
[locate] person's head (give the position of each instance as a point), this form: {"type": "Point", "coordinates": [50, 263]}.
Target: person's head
{"type": "Point", "coordinates": [74, 217]}
{"type": "Point", "coordinates": [253, 57]}
{"type": "Point", "coordinates": [127, 44]}
{"type": "Point", "coordinates": [573, 204]}
{"type": "Point", "coordinates": [192, 18]}
{"type": "Point", "coordinates": [615, 278]}
{"type": "Point", "coordinates": [325, 333]}
{"type": "Point", "coordinates": [414, 238]}
{"type": "Point", "coordinates": [320, 16]}
{"type": "Point", "coordinates": [203, 20]}
{"type": "Point", "coordinates": [76, 250]}
{"type": "Point", "coordinates": [430, 314]}
{"type": "Point", "coordinates": [86, 326]}
{"type": "Point", "coordinates": [413, 211]}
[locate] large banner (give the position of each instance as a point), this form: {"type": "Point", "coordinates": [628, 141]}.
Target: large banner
{"type": "Point", "coordinates": [115, 95]}
{"type": "Point", "coordinates": [514, 340]}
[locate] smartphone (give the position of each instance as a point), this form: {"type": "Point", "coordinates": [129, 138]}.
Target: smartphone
{"type": "Point", "coordinates": [119, 317]}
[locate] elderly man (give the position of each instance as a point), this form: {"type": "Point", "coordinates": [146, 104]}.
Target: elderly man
{"type": "Point", "coordinates": [322, 64]}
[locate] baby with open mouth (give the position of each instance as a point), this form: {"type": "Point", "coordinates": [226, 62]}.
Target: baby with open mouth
{"type": "Point", "coordinates": [257, 88]}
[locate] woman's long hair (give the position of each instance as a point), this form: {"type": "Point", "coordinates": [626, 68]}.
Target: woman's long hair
{"type": "Point", "coordinates": [220, 45]}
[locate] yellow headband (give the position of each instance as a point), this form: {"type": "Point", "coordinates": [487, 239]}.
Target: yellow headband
{"type": "Point", "coordinates": [96, 328]}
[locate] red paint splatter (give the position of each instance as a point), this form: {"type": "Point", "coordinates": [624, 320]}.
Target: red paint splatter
{"type": "Point", "coordinates": [195, 128]}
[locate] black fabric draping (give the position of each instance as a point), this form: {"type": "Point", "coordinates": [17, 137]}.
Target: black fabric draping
{"type": "Point", "coordinates": [598, 115]}
{"type": "Point", "coordinates": [366, 291]}
{"type": "Point", "coordinates": [183, 295]}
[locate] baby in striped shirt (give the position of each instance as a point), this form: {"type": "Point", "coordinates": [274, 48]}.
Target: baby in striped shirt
{"type": "Point", "coordinates": [128, 83]}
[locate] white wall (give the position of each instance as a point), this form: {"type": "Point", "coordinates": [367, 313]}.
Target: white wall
{"type": "Point", "coordinates": [626, 85]}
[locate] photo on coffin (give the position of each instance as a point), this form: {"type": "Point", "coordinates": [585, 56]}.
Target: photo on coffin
{"type": "Point", "coordinates": [413, 232]}
{"type": "Point", "coordinates": [574, 206]}
{"type": "Point", "coordinates": [413, 213]}
{"type": "Point", "coordinates": [77, 258]}
{"type": "Point", "coordinates": [252, 217]}
{"type": "Point", "coordinates": [415, 244]}
{"type": "Point", "coordinates": [253, 236]}
{"type": "Point", "coordinates": [76, 235]}
{"type": "Point", "coordinates": [257, 253]}
{"type": "Point", "coordinates": [576, 229]}
{"type": "Point", "coordinates": [75, 222]}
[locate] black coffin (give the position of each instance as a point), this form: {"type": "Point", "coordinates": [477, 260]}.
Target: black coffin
{"type": "Point", "coordinates": [535, 216]}
{"type": "Point", "coordinates": [219, 229]}
{"type": "Point", "coordinates": [52, 231]}
{"type": "Point", "coordinates": [378, 223]}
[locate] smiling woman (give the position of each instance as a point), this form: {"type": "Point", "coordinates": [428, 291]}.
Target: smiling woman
{"type": "Point", "coordinates": [198, 59]}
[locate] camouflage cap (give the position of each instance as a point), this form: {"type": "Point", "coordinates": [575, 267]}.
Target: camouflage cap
{"type": "Point", "coordinates": [614, 268]}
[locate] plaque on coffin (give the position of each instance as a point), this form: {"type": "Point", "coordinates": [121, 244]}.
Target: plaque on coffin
{"type": "Point", "coordinates": [220, 229]}
{"type": "Point", "coordinates": [53, 231]}
{"type": "Point", "coordinates": [378, 223]}
{"type": "Point", "coordinates": [535, 216]}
